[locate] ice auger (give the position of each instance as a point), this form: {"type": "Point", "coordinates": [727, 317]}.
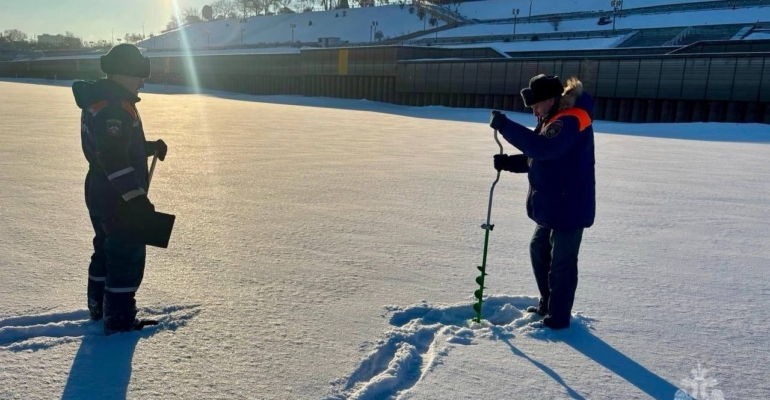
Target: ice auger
{"type": "Point", "coordinates": [488, 226]}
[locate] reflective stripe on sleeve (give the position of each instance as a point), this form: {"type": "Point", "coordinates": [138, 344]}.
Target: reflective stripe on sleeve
{"type": "Point", "coordinates": [120, 173]}
{"type": "Point", "coordinates": [133, 193]}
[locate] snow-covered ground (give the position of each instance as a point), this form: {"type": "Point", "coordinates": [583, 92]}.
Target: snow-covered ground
{"type": "Point", "coordinates": [355, 27]}
{"type": "Point", "coordinates": [546, 45]}
{"type": "Point", "coordinates": [497, 9]}
{"type": "Point", "coordinates": [758, 36]}
{"type": "Point", "coordinates": [695, 18]}
{"type": "Point", "coordinates": [326, 249]}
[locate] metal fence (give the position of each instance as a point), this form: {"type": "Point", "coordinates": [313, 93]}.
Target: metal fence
{"type": "Point", "coordinates": [633, 88]}
{"type": "Point", "coordinates": [717, 77]}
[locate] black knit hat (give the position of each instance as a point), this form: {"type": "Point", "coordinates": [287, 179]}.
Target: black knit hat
{"type": "Point", "coordinates": [126, 59]}
{"type": "Point", "coordinates": [541, 88]}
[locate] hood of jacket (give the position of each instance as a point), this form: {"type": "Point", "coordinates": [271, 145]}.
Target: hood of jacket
{"type": "Point", "coordinates": [89, 92]}
{"type": "Point", "coordinates": [575, 97]}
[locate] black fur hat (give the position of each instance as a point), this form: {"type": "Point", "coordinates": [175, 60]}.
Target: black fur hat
{"type": "Point", "coordinates": [126, 59]}
{"type": "Point", "coordinates": [541, 88]}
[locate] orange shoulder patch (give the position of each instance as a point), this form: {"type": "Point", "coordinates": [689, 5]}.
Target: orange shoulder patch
{"type": "Point", "coordinates": [129, 108]}
{"type": "Point", "coordinates": [581, 115]}
{"type": "Point", "coordinates": [96, 107]}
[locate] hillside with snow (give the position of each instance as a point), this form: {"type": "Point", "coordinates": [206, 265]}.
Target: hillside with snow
{"type": "Point", "coordinates": [352, 25]}
{"type": "Point", "coordinates": [636, 21]}
{"type": "Point", "coordinates": [497, 9]}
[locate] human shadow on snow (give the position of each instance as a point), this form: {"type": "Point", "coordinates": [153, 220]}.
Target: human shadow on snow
{"type": "Point", "coordinates": [102, 367]}
{"type": "Point", "coordinates": [585, 342]}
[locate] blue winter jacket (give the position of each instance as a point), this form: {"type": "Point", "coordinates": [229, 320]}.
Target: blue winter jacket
{"type": "Point", "coordinates": [562, 183]}
{"type": "Point", "coordinates": [113, 143]}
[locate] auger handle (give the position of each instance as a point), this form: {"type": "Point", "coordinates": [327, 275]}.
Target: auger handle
{"type": "Point", "coordinates": [488, 225]}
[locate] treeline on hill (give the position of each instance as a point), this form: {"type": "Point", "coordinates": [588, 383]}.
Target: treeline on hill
{"type": "Point", "coordinates": [18, 40]}
{"type": "Point", "coordinates": [234, 9]}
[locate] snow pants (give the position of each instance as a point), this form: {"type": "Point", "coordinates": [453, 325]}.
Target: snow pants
{"type": "Point", "coordinates": [114, 276]}
{"type": "Point", "coordinates": [554, 255]}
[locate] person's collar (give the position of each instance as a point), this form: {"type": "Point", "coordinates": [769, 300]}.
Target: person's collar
{"type": "Point", "coordinates": [120, 91]}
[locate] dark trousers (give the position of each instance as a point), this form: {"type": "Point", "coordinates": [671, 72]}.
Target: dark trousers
{"type": "Point", "coordinates": [554, 255]}
{"type": "Point", "coordinates": [114, 276]}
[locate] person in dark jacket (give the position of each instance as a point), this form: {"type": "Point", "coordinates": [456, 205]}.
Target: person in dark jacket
{"type": "Point", "coordinates": [116, 184]}
{"type": "Point", "coordinates": [559, 159]}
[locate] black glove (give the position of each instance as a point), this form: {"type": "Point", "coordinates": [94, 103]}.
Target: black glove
{"type": "Point", "coordinates": [158, 146]}
{"type": "Point", "coordinates": [498, 120]}
{"type": "Point", "coordinates": [518, 163]}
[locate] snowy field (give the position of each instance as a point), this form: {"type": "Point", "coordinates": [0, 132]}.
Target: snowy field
{"type": "Point", "coordinates": [326, 249]}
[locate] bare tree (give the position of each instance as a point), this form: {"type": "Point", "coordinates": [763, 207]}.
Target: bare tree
{"type": "Point", "coordinates": [305, 5]}
{"type": "Point", "coordinates": [133, 37]}
{"type": "Point", "coordinates": [15, 35]}
{"type": "Point", "coordinates": [248, 8]}
{"type": "Point", "coordinates": [191, 15]}
{"type": "Point", "coordinates": [173, 24]}
{"type": "Point", "coordinates": [284, 4]}
{"type": "Point", "coordinates": [327, 4]}
{"type": "Point", "coordinates": [270, 4]}
{"type": "Point", "coordinates": [229, 7]}
{"type": "Point", "coordinates": [223, 8]}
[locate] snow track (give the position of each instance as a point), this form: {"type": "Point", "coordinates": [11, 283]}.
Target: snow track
{"type": "Point", "coordinates": [38, 332]}
{"type": "Point", "coordinates": [422, 335]}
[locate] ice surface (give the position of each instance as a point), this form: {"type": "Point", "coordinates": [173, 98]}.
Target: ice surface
{"type": "Point", "coordinates": [326, 248]}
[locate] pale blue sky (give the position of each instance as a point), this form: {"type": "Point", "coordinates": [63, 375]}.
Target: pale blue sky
{"type": "Point", "coordinates": [89, 19]}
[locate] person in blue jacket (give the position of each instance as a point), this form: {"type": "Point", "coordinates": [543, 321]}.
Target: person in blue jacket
{"type": "Point", "coordinates": [559, 159]}
{"type": "Point", "coordinates": [116, 185]}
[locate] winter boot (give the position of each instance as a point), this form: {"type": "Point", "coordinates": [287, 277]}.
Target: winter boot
{"type": "Point", "coordinates": [551, 322]}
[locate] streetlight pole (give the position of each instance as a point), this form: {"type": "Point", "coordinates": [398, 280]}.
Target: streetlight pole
{"type": "Point", "coordinates": [615, 4]}
{"type": "Point", "coordinates": [515, 12]}
{"type": "Point", "coordinates": [143, 29]}
{"type": "Point", "coordinates": [208, 38]}
{"type": "Point", "coordinates": [292, 25]}
{"type": "Point", "coordinates": [112, 42]}
{"type": "Point", "coordinates": [242, 31]}
{"type": "Point", "coordinates": [372, 31]}
{"type": "Point", "coordinates": [529, 20]}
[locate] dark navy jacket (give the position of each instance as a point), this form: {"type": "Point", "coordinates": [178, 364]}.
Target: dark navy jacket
{"type": "Point", "coordinates": [562, 183]}
{"type": "Point", "coordinates": [113, 143]}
